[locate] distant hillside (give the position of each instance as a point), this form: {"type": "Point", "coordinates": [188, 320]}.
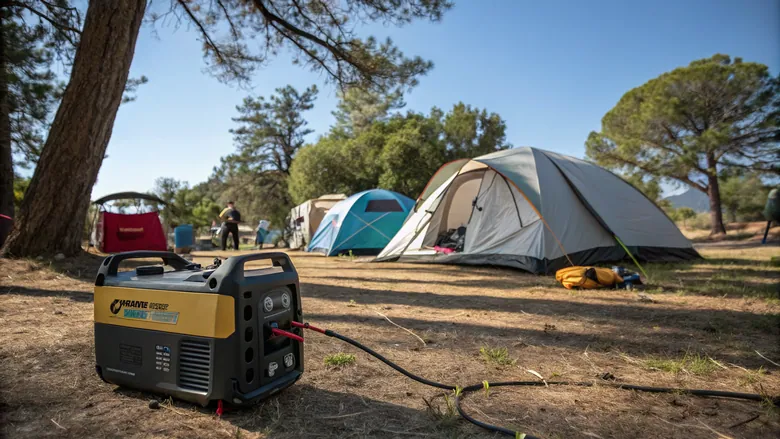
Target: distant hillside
{"type": "Point", "coordinates": [694, 199]}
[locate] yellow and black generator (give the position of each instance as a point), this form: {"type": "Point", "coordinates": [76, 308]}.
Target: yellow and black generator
{"type": "Point", "coordinates": [196, 334]}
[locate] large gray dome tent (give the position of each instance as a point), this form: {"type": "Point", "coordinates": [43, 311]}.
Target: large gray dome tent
{"type": "Point", "coordinates": [538, 211]}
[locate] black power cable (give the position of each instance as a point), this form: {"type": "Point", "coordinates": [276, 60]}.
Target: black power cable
{"type": "Point", "coordinates": [497, 429]}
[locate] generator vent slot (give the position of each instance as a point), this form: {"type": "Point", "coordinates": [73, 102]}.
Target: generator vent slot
{"type": "Point", "coordinates": [194, 365]}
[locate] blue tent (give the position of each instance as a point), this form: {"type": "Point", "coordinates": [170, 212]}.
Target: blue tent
{"type": "Point", "coordinates": [363, 223]}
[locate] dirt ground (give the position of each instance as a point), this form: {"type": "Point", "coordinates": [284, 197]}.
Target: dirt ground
{"type": "Point", "coordinates": [698, 325]}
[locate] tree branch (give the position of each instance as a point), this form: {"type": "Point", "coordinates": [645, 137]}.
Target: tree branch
{"type": "Point", "coordinates": [73, 10]}
{"type": "Point", "coordinates": [335, 51]}
{"type": "Point", "coordinates": [62, 27]}
{"type": "Point", "coordinates": [303, 14]}
{"type": "Point", "coordinates": [229, 19]}
{"type": "Point", "coordinates": [652, 171]}
{"type": "Point", "coordinates": [270, 16]}
{"type": "Point", "coordinates": [693, 123]}
{"type": "Point", "coordinates": [751, 167]}
{"type": "Point", "coordinates": [305, 50]}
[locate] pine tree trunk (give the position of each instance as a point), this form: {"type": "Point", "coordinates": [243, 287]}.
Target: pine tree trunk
{"type": "Point", "coordinates": [6, 154]}
{"type": "Point", "coordinates": [55, 206]}
{"type": "Point", "coordinates": [713, 191]}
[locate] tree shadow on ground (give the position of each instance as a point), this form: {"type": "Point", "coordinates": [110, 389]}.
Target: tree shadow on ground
{"type": "Point", "coordinates": [718, 277]}
{"type": "Point", "coordinates": [304, 410]}
{"type": "Point", "coordinates": [51, 389]}
{"type": "Point", "coordinates": [85, 266]}
{"type": "Point", "coordinates": [503, 284]}
{"type": "Point", "coordinates": [636, 329]}
{"type": "Point", "coordinates": [77, 296]}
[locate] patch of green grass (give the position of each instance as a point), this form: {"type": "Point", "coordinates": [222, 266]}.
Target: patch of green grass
{"type": "Point", "coordinates": [352, 303]}
{"type": "Point", "coordinates": [446, 418]}
{"type": "Point", "coordinates": [692, 363]}
{"type": "Point", "coordinates": [499, 356]}
{"type": "Point", "coordinates": [673, 366]}
{"type": "Point", "coordinates": [339, 359]}
{"type": "Point", "coordinates": [349, 256]}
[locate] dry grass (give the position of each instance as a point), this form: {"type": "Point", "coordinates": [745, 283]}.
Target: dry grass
{"type": "Point", "coordinates": [48, 387]}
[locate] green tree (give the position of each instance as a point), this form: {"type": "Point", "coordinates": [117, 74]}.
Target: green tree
{"type": "Point", "coordinates": [338, 165]}
{"type": "Point", "coordinates": [399, 153]}
{"type": "Point", "coordinates": [272, 131]}
{"type": "Point", "coordinates": [321, 36]}
{"type": "Point", "coordinates": [185, 204]}
{"type": "Point", "coordinates": [744, 197]}
{"type": "Point", "coordinates": [20, 187]}
{"type": "Point", "coordinates": [124, 206]}
{"type": "Point", "coordinates": [471, 132]}
{"type": "Point", "coordinates": [358, 109]}
{"type": "Point", "coordinates": [323, 168]}
{"type": "Point", "coordinates": [672, 213]}
{"type": "Point", "coordinates": [411, 154]}
{"type": "Point", "coordinates": [693, 124]}
{"type": "Point", "coordinates": [685, 213]}
{"type": "Point", "coordinates": [269, 135]}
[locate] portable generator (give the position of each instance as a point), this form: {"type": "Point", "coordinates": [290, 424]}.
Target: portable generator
{"type": "Point", "coordinates": [196, 334]}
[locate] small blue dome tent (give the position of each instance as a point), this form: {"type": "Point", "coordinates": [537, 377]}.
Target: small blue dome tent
{"type": "Point", "coordinates": [363, 223]}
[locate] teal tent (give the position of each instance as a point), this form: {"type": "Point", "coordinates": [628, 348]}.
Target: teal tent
{"type": "Point", "coordinates": [363, 223]}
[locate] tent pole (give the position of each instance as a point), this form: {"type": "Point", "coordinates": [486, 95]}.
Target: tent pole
{"type": "Point", "coordinates": [541, 217]}
{"type": "Point", "coordinates": [479, 194]}
{"type": "Point", "coordinates": [629, 254]}
{"type": "Point", "coordinates": [514, 200]}
{"type": "Point", "coordinates": [362, 228]}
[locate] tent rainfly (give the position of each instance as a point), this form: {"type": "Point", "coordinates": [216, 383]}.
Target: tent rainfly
{"type": "Point", "coordinates": [363, 223]}
{"type": "Point", "coordinates": [534, 210]}
{"type": "Point", "coordinates": [306, 217]}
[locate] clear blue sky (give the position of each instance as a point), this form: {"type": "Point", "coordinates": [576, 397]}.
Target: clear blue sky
{"type": "Point", "coordinates": [550, 69]}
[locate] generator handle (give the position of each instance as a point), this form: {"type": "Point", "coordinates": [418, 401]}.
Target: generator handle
{"type": "Point", "coordinates": [168, 258]}
{"type": "Point", "coordinates": [235, 264]}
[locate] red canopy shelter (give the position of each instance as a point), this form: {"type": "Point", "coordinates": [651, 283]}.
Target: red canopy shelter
{"type": "Point", "coordinates": [121, 232]}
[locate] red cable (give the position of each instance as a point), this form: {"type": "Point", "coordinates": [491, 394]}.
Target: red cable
{"type": "Point", "coordinates": [219, 408]}
{"type": "Point", "coordinates": [6, 217]}
{"type": "Point", "coordinates": [277, 331]}
{"type": "Point", "coordinates": [308, 326]}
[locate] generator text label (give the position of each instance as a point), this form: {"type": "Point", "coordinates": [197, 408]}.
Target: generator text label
{"type": "Point", "coordinates": [118, 304]}
{"type": "Point", "coordinates": [143, 310]}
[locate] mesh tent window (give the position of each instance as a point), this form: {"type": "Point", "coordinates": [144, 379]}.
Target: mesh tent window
{"type": "Point", "coordinates": [384, 206]}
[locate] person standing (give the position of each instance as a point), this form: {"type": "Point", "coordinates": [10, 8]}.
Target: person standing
{"type": "Point", "coordinates": [261, 232]}
{"type": "Point", "coordinates": [231, 217]}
